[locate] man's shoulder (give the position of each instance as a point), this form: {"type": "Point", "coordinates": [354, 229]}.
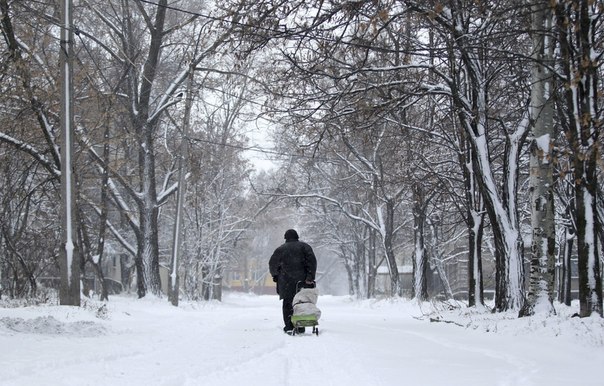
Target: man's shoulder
{"type": "Point", "coordinates": [294, 245]}
{"type": "Point", "coordinates": [305, 246]}
{"type": "Point", "coordinates": [298, 243]}
{"type": "Point", "coordinates": [284, 246]}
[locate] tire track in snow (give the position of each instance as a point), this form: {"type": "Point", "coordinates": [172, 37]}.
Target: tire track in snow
{"type": "Point", "coordinates": [520, 367]}
{"type": "Point", "coordinates": [328, 359]}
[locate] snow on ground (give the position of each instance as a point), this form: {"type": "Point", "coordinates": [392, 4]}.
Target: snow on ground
{"type": "Point", "coordinates": [240, 342]}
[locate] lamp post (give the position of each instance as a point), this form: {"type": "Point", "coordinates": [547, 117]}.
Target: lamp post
{"type": "Point", "coordinates": [69, 292]}
{"type": "Point", "coordinates": [173, 288]}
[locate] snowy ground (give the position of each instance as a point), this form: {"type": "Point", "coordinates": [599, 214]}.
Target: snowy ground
{"type": "Point", "coordinates": [239, 342]}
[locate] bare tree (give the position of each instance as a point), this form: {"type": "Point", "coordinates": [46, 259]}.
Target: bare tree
{"type": "Point", "coordinates": [30, 85]}
{"type": "Point", "coordinates": [216, 216]}
{"type": "Point", "coordinates": [580, 37]}
{"type": "Point", "coordinates": [467, 84]}
{"type": "Point", "coordinates": [149, 84]}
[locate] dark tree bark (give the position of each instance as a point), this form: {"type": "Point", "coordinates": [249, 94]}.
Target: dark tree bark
{"type": "Point", "coordinates": [578, 36]}
{"type": "Point", "coordinates": [420, 257]}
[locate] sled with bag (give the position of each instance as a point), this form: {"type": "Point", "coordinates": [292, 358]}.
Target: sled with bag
{"type": "Point", "coordinates": [306, 313]}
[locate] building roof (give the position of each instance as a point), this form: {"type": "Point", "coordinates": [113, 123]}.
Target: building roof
{"type": "Point", "coordinates": [384, 270]}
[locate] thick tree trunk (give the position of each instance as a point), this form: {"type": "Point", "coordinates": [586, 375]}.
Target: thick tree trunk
{"type": "Point", "coordinates": [139, 268]}
{"type": "Point", "coordinates": [148, 240]}
{"type": "Point", "coordinates": [99, 274]}
{"type": "Point", "coordinates": [541, 182]}
{"type": "Point", "coordinates": [352, 288]}
{"type": "Point", "coordinates": [470, 98]}
{"type": "Point", "coordinates": [509, 275]}
{"type": "Point", "coordinates": [576, 23]}
{"type": "Point", "coordinates": [352, 271]}
{"type": "Point", "coordinates": [150, 244]}
{"type": "Point", "coordinates": [565, 270]}
{"type": "Point", "coordinates": [435, 257]}
{"type": "Point", "coordinates": [474, 222]}
{"type": "Point", "coordinates": [475, 280]}
{"type": "Point", "coordinates": [541, 287]}
{"type": "Point", "coordinates": [590, 280]}
{"type": "Point", "coordinates": [148, 252]}
{"type": "Point", "coordinates": [395, 288]}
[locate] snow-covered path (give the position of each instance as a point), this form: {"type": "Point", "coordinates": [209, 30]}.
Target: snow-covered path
{"type": "Point", "coordinates": [239, 342]}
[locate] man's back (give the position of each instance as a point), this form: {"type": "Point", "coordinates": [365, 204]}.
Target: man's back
{"type": "Point", "coordinates": [294, 260]}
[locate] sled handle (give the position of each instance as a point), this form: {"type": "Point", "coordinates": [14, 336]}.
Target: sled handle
{"type": "Point", "coordinates": [302, 284]}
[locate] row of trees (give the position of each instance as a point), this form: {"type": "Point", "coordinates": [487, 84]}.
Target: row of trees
{"type": "Point", "coordinates": [132, 63]}
{"type": "Point", "coordinates": [407, 126]}
{"type": "Point", "coordinates": [422, 117]}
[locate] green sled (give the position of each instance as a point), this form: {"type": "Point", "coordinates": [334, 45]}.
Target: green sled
{"type": "Point", "coordinates": [304, 320]}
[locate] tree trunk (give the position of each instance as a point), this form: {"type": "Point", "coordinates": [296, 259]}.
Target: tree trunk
{"type": "Point", "coordinates": [173, 288]}
{"type": "Point", "coordinates": [352, 285]}
{"type": "Point", "coordinates": [435, 258]}
{"type": "Point", "coordinates": [99, 273]}
{"type": "Point", "coordinates": [576, 23]}
{"type": "Point", "coordinates": [470, 98]}
{"type": "Point", "coordinates": [371, 265]}
{"type": "Point", "coordinates": [590, 280]}
{"type": "Point", "coordinates": [150, 247]}
{"type": "Point", "coordinates": [148, 206]}
{"type": "Point", "coordinates": [139, 269]}
{"type": "Point", "coordinates": [541, 288]}
{"type": "Point", "coordinates": [359, 268]}
{"type": "Point", "coordinates": [475, 280]}
{"type": "Point", "coordinates": [395, 288]}
{"type": "Point", "coordinates": [27, 272]}
{"type": "Point", "coordinates": [509, 275]}
{"type": "Point", "coordinates": [474, 221]}
{"type": "Point", "coordinates": [565, 270]}
{"type": "Point", "coordinates": [420, 258]}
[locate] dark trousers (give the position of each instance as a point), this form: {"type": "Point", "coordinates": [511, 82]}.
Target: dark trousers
{"type": "Point", "coordinates": [288, 310]}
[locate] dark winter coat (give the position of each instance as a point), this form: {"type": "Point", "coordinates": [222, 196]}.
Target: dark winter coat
{"type": "Point", "coordinates": [292, 262]}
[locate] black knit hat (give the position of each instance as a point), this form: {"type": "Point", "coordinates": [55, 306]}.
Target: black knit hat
{"type": "Point", "coordinates": [291, 234]}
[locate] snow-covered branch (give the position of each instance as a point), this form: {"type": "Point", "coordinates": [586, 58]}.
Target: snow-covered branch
{"type": "Point", "coordinates": [84, 142]}
{"type": "Point", "coordinates": [163, 196]}
{"type": "Point", "coordinates": [33, 152]}
{"type": "Point", "coordinates": [116, 233]}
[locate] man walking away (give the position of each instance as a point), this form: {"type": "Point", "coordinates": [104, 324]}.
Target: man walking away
{"type": "Point", "coordinates": [292, 262]}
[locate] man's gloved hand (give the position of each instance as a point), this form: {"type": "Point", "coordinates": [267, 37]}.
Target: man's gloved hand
{"type": "Point", "coordinates": [275, 279]}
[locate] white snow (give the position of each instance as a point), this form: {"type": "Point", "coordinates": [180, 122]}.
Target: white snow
{"type": "Point", "coordinates": [240, 342]}
{"type": "Point", "coordinates": [590, 239]}
{"type": "Point", "coordinates": [543, 144]}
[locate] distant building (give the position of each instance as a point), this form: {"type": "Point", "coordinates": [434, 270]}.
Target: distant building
{"type": "Point", "coordinates": [382, 281]}
{"type": "Point", "coordinates": [120, 275]}
{"type": "Point", "coordinates": [252, 276]}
